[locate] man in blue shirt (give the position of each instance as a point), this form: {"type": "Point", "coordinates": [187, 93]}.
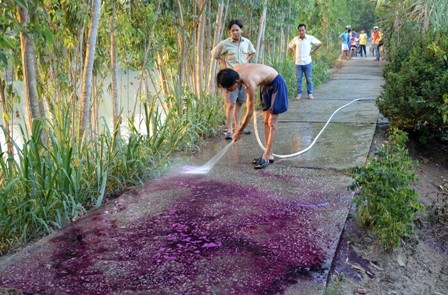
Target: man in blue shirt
{"type": "Point", "coordinates": [345, 37]}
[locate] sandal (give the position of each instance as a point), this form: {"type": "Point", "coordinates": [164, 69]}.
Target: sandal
{"type": "Point", "coordinates": [257, 161]}
{"type": "Point", "coordinates": [229, 135]}
{"type": "Point", "coordinates": [262, 164]}
{"type": "Point", "coordinates": [247, 131]}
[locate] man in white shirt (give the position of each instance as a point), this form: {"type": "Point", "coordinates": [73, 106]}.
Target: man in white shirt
{"type": "Point", "coordinates": [302, 47]}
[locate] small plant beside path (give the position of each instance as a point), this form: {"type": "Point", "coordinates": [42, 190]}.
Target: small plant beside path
{"type": "Point", "coordinates": [385, 202]}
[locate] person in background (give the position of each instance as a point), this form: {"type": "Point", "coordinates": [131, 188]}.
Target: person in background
{"type": "Point", "coordinates": [363, 43]}
{"type": "Point", "coordinates": [375, 41]}
{"type": "Point", "coordinates": [231, 52]}
{"type": "Point", "coordinates": [302, 46]}
{"type": "Point", "coordinates": [380, 44]}
{"type": "Point", "coordinates": [372, 46]}
{"type": "Point", "coordinates": [354, 44]}
{"type": "Point", "coordinates": [345, 37]}
{"type": "Point", "coordinates": [274, 96]}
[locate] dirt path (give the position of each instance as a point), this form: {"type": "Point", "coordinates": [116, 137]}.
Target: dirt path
{"type": "Point", "coordinates": [419, 265]}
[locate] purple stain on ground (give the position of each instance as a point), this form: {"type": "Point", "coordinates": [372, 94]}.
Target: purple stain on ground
{"type": "Point", "coordinates": [347, 257]}
{"type": "Point", "coordinates": [219, 238]}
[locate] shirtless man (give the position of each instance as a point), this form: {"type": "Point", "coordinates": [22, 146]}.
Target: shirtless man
{"type": "Point", "coordinates": [274, 100]}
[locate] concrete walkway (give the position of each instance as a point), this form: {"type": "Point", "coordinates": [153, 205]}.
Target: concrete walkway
{"type": "Point", "coordinates": [235, 230]}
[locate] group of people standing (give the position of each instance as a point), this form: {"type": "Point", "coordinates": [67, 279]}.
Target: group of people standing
{"type": "Point", "coordinates": [354, 43]}
{"type": "Point", "coordinates": [240, 78]}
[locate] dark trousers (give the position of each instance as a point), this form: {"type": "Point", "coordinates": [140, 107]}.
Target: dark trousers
{"type": "Point", "coordinates": [363, 48]}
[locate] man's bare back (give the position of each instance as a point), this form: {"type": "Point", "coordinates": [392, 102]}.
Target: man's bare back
{"type": "Point", "coordinates": [253, 75]}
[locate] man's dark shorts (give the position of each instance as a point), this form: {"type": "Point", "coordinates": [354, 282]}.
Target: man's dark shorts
{"type": "Point", "coordinates": [274, 97]}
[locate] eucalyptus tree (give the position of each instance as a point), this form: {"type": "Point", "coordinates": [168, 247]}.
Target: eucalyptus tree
{"type": "Point", "coordinates": [183, 50]}
{"type": "Point", "coordinates": [200, 47]}
{"type": "Point", "coordinates": [137, 45]}
{"type": "Point", "coordinates": [217, 36]}
{"type": "Point", "coordinates": [276, 30]}
{"type": "Point", "coordinates": [61, 54]}
{"type": "Point", "coordinates": [29, 66]}
{"type": "Point", "coordinates": [7, 127]}
{"type": "Point", "coordinates": [116, 106]}
{"type": "Point", "coordinates": [86, 85]}
{"type": "Point", "coordinates": [261, 32]}
{"type": "Point", "coordinates": [332, 19]}
{"type": "Point", "coordinates": [182, 46]}
{"type": "Point", "coordinates": [8, 60]}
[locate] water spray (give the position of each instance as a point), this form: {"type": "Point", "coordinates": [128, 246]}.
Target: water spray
{"type": "Point", "coordinates": [204, 169]}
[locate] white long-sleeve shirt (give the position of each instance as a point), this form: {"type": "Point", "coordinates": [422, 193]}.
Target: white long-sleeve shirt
{"type": "Point", "coordinates": [302, 48]}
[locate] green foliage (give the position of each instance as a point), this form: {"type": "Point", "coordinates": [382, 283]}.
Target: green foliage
{"type": "Point", "coordinates": [416, 92]}
{"type": "Point", "coordinates": [384, 201]}
{"type": "Point", "coordinates": [55, 179]}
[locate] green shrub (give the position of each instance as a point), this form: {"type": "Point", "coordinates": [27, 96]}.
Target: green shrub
{"type": "Point", "coordinates": [415, 95]}
{"type": "Point", "coordinates": [384, 201]}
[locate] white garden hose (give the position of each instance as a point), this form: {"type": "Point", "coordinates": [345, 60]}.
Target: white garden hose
{"type": "Point", "coordinates": [315, 139]}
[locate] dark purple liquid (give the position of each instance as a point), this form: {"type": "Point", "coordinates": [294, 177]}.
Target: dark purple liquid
{"type": "Point", "coordinates": [218, 238]}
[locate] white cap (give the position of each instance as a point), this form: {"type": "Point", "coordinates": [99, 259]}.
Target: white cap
{"type": "Point", "coordinates": [375, 27]}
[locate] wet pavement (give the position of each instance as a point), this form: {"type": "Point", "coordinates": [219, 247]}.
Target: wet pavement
{"type": "Point", "coordinates": [234, 230]}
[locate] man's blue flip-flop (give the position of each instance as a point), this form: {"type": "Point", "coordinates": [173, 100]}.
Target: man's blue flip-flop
{"type": "Point", "coordinates": [262, 163]}
{"type": "Point", "coordinates": [257, 160]}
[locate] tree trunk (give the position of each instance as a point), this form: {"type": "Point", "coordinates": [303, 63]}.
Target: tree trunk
{"type": "Point", "coordinates": [181, 40]}
{"type": "Point", "coordinates": [261, 29]}
{"type": "Point", "coordinates": [216, 38]}
{"type": "Point", "coordinates": [74, 69]}
{"type": "Point", "coordinates": [209, 35]}
{"type": "Point", "coordinates": [86, 91]}
{"type": "Point", "coordinates": [162, 74]}
{"type": "Point", "coordinates": [29, 69]}
{"type": "Point", "coordinates": [5, 109]}
{"type": "Point", "coordinates": [148, 46]}
{"type": "Point", "coordinates": [116, 107]}
{"type": "Point", "coordinates": [97, 94]}
{"type": "Point", "coordinates": [285, 45]}
{"type": "Point", "coordinates": [223, 20]}
{"type": "Point", "coordinates": [200, 49]}
{"type": "Point", "coordinates": [279, 46]}
{"type": "Point", "coordinates": [191, 65]}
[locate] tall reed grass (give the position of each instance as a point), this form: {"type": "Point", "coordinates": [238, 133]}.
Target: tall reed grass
{"type": "Point", "coordinates": [54, 178]}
